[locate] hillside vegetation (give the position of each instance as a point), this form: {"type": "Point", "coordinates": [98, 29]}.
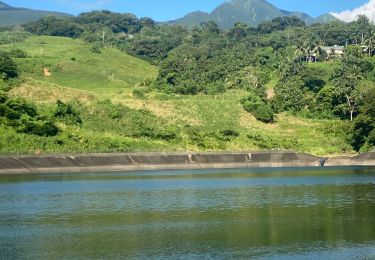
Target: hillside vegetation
{"type": "Point", "coordinates": [86, 84]}
{"type": "Point", "coordinates": [139, 120]}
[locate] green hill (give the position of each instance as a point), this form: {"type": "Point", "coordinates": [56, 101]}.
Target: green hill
{"type": "Point", "coordinates": [10, 16]}
{"type": "Point", "coordinates": [140, 120]}
{"type": "Point", "coordinates": [252, 12]}
{"type": "Point", "coordinates": [72, 64]}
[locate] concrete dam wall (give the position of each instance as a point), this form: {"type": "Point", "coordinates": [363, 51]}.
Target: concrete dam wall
{"type": "Point", "coordinates": [161, 161]}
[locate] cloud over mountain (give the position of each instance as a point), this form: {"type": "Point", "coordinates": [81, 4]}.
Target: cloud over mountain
{"type": "Point", "coordinates": [367, 9]}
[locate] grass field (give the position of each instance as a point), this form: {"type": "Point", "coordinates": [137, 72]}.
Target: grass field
{"type": "Point", "coordinates": [200, 122]}
{"type": "Point", "coordinates": [72, 64]}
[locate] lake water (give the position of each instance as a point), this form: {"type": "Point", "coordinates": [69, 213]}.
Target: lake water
{"type": "Point", "coordinates": [309, 213]}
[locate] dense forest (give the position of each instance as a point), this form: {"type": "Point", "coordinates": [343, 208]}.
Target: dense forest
{"type": "Point", "coordinates": [283, 65]}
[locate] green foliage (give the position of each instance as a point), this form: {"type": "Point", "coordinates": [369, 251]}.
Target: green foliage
{"type": "Point", "coordinates": [24, 118]}
{"type": "Point", "coordinates": [259, 108]}
{"type": "Point", "coordinates": [39, 128]}
{"type": "Point", "coordinates": [154, 43]}
{"type": "Point", "coordinates": [280, 24]}
{"type": "Point", "coordinates": [291, 95]}
{"type": "Point", "coordinates": [364, 124]}
{"type": "Point", "coordinates": [55, 26]}
{"type": "Point", "coordinates": [210, 140]}
{"type": "Point", "coordinates": [9, 37]}
{"type": "Point", "coordinates": [313, 78]}
{"type": "Point", "coordinates": [346, 78]}
{"type": "Point", "coordinates": [8, 68]}
{"type": "Point", "coordinates": [271, 143]}
{"type": "Point", "coordinates": [18, 53]}
{"type": "Point", "coordinates": [224, 65]}
{"type": "Point", "coordinates": [129, 122]}
{"type": "Point", "coordinates": [67, 112]}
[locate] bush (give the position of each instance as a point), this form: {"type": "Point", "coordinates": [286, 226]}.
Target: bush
{"type": "Point", "coordinates": [364, 124]}
{"type": "Point", "coordinates": [18, 53]}
{"type": "Point", "coordinates": [22, 107]}
{"type": "Point", "coordinates": [40, 128]}
{"type": "Point", "coordinates": [3, 97]}
{"type": "Point", "coordinates": [8, 68]}
{"type": "Point", "coordinates": [230, 133]}
{"type": "Point", "coordinates": [261, 110]}
{"type": "Point", "coordinates": [227, 135]}
{"type": "Point", "coordinates": [268, 142]}
{"type": "Point", "coordinates": [67, 112]}
{"type": "Point", "coordinates": [12, 115]}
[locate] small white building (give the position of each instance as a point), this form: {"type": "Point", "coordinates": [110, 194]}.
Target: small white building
{"type": "Point", "coordinates": [334, 50]}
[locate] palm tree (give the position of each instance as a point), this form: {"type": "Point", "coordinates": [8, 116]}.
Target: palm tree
{"type": "Point", "coordinates": [300, 52]}
{"type": "Point", "coordinates": [319, 52]}
{"type": "Point", "coordinates": [370, 43]}
{"type": "Point", "coordinates": [303, 51]}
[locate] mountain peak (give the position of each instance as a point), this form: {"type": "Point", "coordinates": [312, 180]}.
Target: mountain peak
{"type": "Point", "coordinates": [251, 12]}
{"type": "Point", "coordinates": [5, 6]}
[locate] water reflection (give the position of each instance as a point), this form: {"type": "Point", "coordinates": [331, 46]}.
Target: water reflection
{"type": "Point", "coordinates": [279, 213]}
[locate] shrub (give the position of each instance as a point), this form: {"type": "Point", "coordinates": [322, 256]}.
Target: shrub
{"type": "Point", "coordinates": [67, 112]}
{"type": "Point", "coordinates": [12, 115]}
{"type": "Point", "coordinates": [22, 107]}
{"type": "Point", "coordinates": [227, 135]}
{"type": "Point", "coordinates": [3, 97]}
{"type": "Point", "coordinates": [268, 142]}
{"type": "Point", "coordinates": [39, 128]}
{"type": "Point", "coordinates": [261, 110]}
{"type": "Point", "coordinates": [18, 53]}
{"type": "Point", "coordinates": [8, 68]}
{"type": "Point", "coordinates": [230, 133]}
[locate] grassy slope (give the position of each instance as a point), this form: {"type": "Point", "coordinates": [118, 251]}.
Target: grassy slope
{"type": "Point", "coordinates": [72, 64]}
{"type": "Point", "coordinates": [114, 75]}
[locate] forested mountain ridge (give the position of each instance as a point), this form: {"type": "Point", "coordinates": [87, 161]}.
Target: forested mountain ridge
{"type": "Point", "coordinates": [14, 16]}
{"type": "Point", "coordinates": [251, 12]}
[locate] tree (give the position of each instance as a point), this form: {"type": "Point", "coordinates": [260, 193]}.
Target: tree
{"type": "Point", "coordinates": [370, 43]}
{"type": "Point", "coordinates": [240, 31]}
{"type": "Point", "coordinates": [364, 124]}
{"type": "Point", "coordinates": [320, 53]}
{"type": "Point", "coordinates": [363, 24]}
{"type": "Point", "coordinates": [280, 24]}
{"type": "Point", "coordinates": [8, 68]}
{"type": "Point", "coordinates": [290, 95]}
{"type": "Point", "coordinates": [67, 112]}
{"type": "Point", "coordinates": [346, 79]}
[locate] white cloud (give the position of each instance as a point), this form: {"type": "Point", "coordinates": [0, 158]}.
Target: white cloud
{"type": "Point", "coordinates": [367, 9]}
{"type": "Point", "coordinates": [86, 5]}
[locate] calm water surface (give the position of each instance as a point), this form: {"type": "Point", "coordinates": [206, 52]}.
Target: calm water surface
{"type": "Point", "coordinates": [325, 213]}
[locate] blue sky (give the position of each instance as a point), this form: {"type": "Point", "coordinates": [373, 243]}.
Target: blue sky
{"type": "Point", "coordinates": [162, 10]}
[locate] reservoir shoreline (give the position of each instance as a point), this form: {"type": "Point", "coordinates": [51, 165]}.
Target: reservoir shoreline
{"type": "Point", "coordinates": [171, 161]}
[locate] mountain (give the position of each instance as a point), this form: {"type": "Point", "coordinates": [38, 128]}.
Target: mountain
{"type": "Point", "coordinates": [13, 16]}
{"type": "Point", "coordinates": [252, 12]}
